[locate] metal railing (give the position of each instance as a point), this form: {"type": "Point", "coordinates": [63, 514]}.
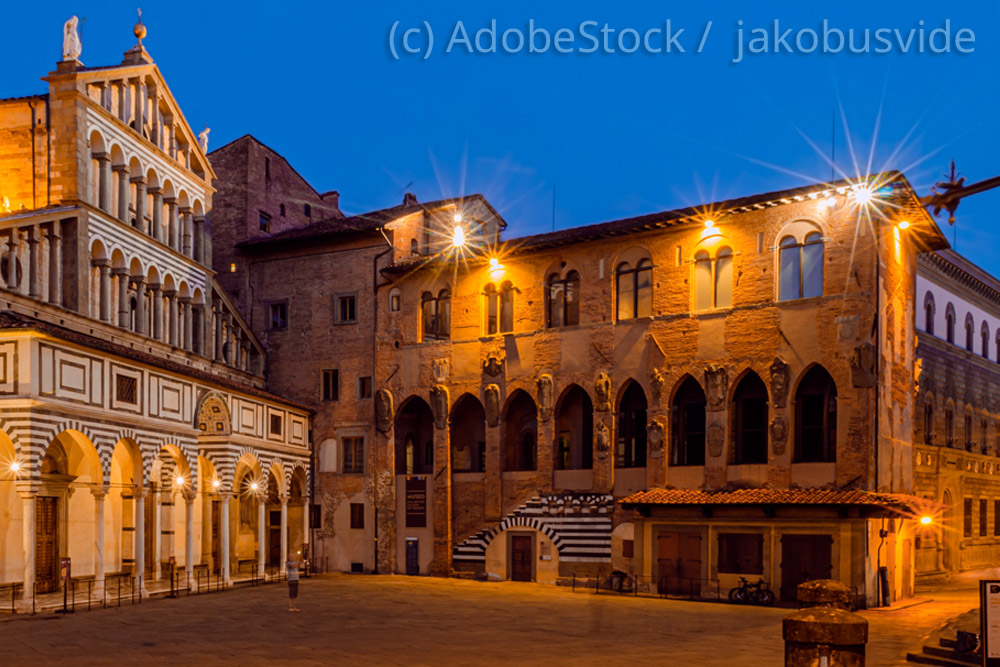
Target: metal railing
{"type": "Point", "coordinates": [619, 583]}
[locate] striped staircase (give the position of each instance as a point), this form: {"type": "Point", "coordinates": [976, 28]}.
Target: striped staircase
{"type": "Point", "coordinates": [579, 524]}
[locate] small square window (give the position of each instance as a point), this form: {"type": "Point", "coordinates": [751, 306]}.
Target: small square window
{"type": "Point", "coordinates": [126, 389]}
{"type": "Point", "coordinates": [357, 516]}
{"type": "Point", "coordinates": [331, 385]}
{"type": "Point", "coordinates": [365, 387]}
{"type": "Point", "coordinates": [275, 424]}
{"type": "Point", "coordinates": [347, 309]}
{"type": "Point", "coordinates": [394, 302]}
{"type": "Point", "coordinates": [265, 222]}
{"type": "Point", "coordinates": [307, 209]}
{"type": "Point", "coordinates": [277, 316]}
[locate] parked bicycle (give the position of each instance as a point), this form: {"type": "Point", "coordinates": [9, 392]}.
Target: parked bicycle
{"type": "Point", "coordinates": [747, 593]}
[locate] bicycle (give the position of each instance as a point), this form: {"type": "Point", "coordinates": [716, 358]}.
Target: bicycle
{"type": "Point", "coordinates": [747, 593]}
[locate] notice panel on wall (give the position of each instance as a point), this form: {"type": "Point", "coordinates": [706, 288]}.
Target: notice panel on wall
{"type": "Point", "coordinates": [416, 502]}
{"type": "Point", "coordinates": [989, 610]}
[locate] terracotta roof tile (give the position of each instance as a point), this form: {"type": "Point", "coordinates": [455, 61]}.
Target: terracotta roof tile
{"type": "Point", "coordinates": [770, 497]}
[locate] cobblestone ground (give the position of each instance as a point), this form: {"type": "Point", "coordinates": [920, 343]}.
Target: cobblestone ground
{"type": "Point", "coordinates": [364, 620]}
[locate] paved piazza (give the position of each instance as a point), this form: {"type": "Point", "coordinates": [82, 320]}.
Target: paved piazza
{"type": "Point", "coordinates": [406, 620]}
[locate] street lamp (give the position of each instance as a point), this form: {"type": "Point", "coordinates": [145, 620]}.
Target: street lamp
{"type": "Point", "coordinates": [926, 520]}
{"type": "Point", "coordinates": [458, 236]}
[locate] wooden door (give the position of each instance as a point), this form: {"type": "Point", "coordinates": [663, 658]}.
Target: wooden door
{"type": "Point", "coordinates": [216, 559]}
{"type": "Point", "coordinates": [679, 563]}
{"type": "Point", "coordinates": [804, 558]}
{"type": "Point", "coordinates": [521, 557]}
{"type": "Point", "coordinates": [412, 557]}
{"type": "Point", "coordinates": [46, 544]}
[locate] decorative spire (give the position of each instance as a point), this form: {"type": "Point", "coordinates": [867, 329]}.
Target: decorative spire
{"type": "Point", "coordinates": [140, 30]}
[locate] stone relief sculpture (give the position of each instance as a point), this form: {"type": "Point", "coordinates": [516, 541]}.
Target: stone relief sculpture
{"type": "Point", "coordinates": [657, 380]}
{"type": "Point", "coordinates": [716, 438]}
{"type": "Point", "coordinates": [493, 364]}
{"type": "Point", "coordinates": [602, 440]}
{"type": "Point", "coordinates": [439, 406]}
{"type": "Point", "coordinates": [72, 48]}
{"type": "Point", "coordinates": [492, 400]}
{"type": "Point", "coordinates": [779, 434]}
{"type": "Point", "coordinates": [441, 369]}
{"type": "Point", "coordinates": [383, 410]}
{"type": "Point", "coordinates": [545, 397]}
{"type": "Point", "coordinates": [654, 439]}
{"type": "Point", "coordinates": [779, 382]}
{"type": "Point", "coordinates": [602, 392]}
{"type": "Point", "coordinates": [863, 366]}
{"type": "Point", "coordinates": [715, 385]}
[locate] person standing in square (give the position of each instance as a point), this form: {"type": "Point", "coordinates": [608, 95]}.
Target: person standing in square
{"type": "Point", "coordinates": [292, 573]}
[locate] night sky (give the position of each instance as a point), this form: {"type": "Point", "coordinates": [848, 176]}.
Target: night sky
{"type": "Point", "coordinates": [614, 134]}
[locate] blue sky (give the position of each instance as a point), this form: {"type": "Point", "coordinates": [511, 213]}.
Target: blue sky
{"type": "Point", "coordinates": [613, 134]}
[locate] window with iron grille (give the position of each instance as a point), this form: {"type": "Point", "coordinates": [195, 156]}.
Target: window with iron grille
{"type": "Point", "coordinates": [126, 389]}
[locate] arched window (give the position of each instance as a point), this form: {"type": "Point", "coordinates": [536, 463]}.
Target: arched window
{"type": "Point", "coordinates": [467, 432]}
{"type": "Point", "coordinates": [506, 308]}
{"type": "Point", "coordinates": [970, 328]}
{"type": "Point", "coordinates": [634, 290]}
{"type": "Point", "coordinates": [414, 247]}
{"type": "Point", "coordinates": [520, 432]}
{"type": "Point", "coordinates": [816, 417]}
{"type": "Point", "coordinates": [563, 300]}
{"type": "Point", "coordinates": [687, 425]}
{"type": "Point", "coordinates": [949, 323]}
{"type": "Point", "coordinates": [436, 314]}
{"type": "Point", "coordinates": [750, 419]}
{"type": "Point", "coordinates": [929, 313]}
{"type": "Point", "coordinates": [949, 427]}
{"type": "Point", "coordinates": [574, 423]}
{"type": "Point", "coordinates": [928, 421]}
{"type": "Point", "coordinates": [985, 334]}
{"type": "Point", "coordinates": [801, 267]}
{"type": "Point", "coordinates": [631, 449]}
{"type": "Point", "coordinates": [713, 279]}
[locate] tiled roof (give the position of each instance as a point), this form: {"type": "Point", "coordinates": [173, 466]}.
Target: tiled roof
{"type": "Point", "coordinates": [363, 222]}
{"type": "Point", "coordinates": [12, 320]}
{"type": "Point", "coordinates": [769, 497]}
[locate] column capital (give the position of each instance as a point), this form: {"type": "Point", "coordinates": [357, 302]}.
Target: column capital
{"type": "Point", "coordinates": [119, 271]}
{"type": "Point", "coordinates": [170, 201]}
{"type": "Point", "coordinates": [283, 498]}
{"type": "Point", "coordinates": [120, 168]}
{"type": "Point", "coordinates": [99, 492]}
{"type": "Point", "coordinates": [52, 231]}
{"type": "Point", "coordinates": [102, 156]}
{"type": "Point", "coordinates": [27, 488]}
{"type": "Point", "coordinates": [184, 210]}
{"type": "Point", "coordinates": [154, 190]}
{"type": "Point", "coordinates": [189, 495]}
{"type": "Point", "coordinates": [154, 287]}
{"type": "Point", "coordinates": [138, 180]}
{"type": "Point", "coordinates": [199, 219]}
{"type": "Point", "coordinates": [170, 293]}
{"type": "Point", "coordinates": [101, 263]}
{"type": "Point", "coordinates": [185, 299]}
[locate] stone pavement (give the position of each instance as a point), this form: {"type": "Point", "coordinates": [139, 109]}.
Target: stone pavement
{"type": "Point", "coordinates": [389, 620]}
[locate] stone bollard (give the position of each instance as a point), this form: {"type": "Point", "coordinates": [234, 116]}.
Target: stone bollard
{"type": "Point", "coordinates": [824, 633]}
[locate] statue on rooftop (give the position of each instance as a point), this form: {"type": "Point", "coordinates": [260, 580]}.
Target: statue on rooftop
{"type": "Point", "coordinates": [203, 139]}
{"type": "Point", "coordinates": [71, 40]}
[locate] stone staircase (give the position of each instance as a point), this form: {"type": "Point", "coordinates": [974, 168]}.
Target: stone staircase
{"type": "Point", "coordinates": [944, 654]}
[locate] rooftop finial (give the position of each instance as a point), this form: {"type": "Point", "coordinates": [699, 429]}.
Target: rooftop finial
{"type": "Point", "coordinates": [140, 30]}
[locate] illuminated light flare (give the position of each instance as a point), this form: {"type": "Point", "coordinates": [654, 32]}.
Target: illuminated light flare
{"type": "Point", "coordinates": [926, 520]}
{"type": "Point", "coordinates": [458, 237]}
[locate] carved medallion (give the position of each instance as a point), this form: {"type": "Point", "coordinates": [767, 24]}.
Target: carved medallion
{"type": "Point", "coordinates": [493, 365]}
{"type": "Point", "coordinates": [863, 366]}
{"type": "Point", "coordinates": [545, 398]}
{"type": "Point", "coordinates": [441, 369]}
{"type": "Point", "coordinates": [602, 440]}
{"type": "Point", "coordinates": [492, 400]}
{"type": "Point", "coordinates": [779, 382]}
{"type": "Point", "coordinates": [716, 383]}
{"type": "Point", "coordinates": [654, 439]}
{"type": "Point", "coordinates": [779, 434]}
{"type": "Point", "coordinates": [383, 410]}
{"type": "Point", "coordinates": [716, 438]}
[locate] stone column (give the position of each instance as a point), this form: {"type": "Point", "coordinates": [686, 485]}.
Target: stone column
{"type": "Point", "coordinates": [140, 305]}
{"type": "Point", "coordinates": [170, 235]}
{"type": "Point", "coordinates": [123, 310]}
{"type": "Point", "coordinates": [121, 171]}
{"type": "Point", "coordinates": [154, 116]}
{"type": "Point", "coordinates": [230, 342]}
{"type": "Point", "coordinates": [188, 329]}
{"type": "Point", "coordinates": [156, 303]}
{"type": "Point", "coordinates": [55, 263]}
{"type": "Point", "coordinates": [156, 225]}
{"type": "Point", "coordinates": [157, 555]}
{"type": "Point", "coordinates": [104, 295]}
{"type": "Point", "coordinates": [439, 486]}
{"type": "Point", "coordinates": [28, 492]}
{"type": "Point", "coordinates": [171, 318]}
{"type": "Point", "coordinates": [185, 212]}
{"type": "Point", "coordinates": [284, 530]}
{"type": "Point", "coordinates": [224, 536]}
{"type": "Point", "coordinates": [217, 339]}
{"type": "Point", "coordinates": [198, 243]}
{"type": "Point", "coordinates": [189, 497]}
{"type": "Point", "coordinates": [140, 538]}
{"type": "Point", "coordinates": [12, 245]}
{"type": "Point", "coordinates": [138, 110]}
{"type": "Point", "coordinates": [492, 477]}
{"type": "Point", "coordinates": [261, 534]}
{"type": "Point", "coordinates": [140, 202]}
{"type": "Point", "coordinates": [34, 262]}
{"type": "Point", "coordinates": [99, 493]}
{"type": "Point", "coordinates": [171, 139]}
{"type": "Point", "coordinates": [103, 181]}
{"type": "Point", "coordinates": [122, 113]}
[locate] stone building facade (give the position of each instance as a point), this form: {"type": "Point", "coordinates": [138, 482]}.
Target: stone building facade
{"type": "Point", "coordinates": [135, 424]}
{"type": "Point", "coordinates": [957, 430]}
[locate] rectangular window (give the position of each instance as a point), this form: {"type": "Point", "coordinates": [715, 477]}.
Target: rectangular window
{"type": "Point", "coordinates": [126, 389]}
{"type": "Point", "coordinates": [982, 517]}
{"type": "Point", "coordinates": [265, 222]}
{"type": "Point", "coordinates": [277, 315]}
{"type": "Point", "coordinates": [354, 455]}
{"type": "Point", "coordinates": [741, 553]}
{"type": "Point", "coordinates": [967, 517]}
{"type": "Point", "coordinates": [307, 209]}
{"type": "Point", "coordinates": [357, 516]}
{"type": "Point", "coordinates": [365, 387]}
{"type": "Point", "coordinates": [628, 548]}
{"type": "Point", "coordinates": [275, 424]}
{"type": "Point", "coordinates": [346, 308]}
{"type": "Point", "coordinates": [996, 517]}
{"type": "Point", "coordinates": [331, 385]}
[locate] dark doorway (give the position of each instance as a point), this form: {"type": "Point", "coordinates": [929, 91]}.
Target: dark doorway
{"type": "Point", "coordinates": [414, 438]}
{"type": "Point", "coordinates": [804, 558]}
{"type": "Point", "coordinates": [216, 562]}
{"type": "Point", "coordinates": [679, 563]}
{"type": "Point", "coordinates": [46, 544]}
{"type": "Point", "coordinates": [274, 537]}
{"type": "Point", "coordinates": [521, 557]}
{"type": "Point", "coordinates": [750, 419]}
{"type": "Point", "coordinates": [149, 509]}
{"type": "Point", "coordinates": [574, 430]}
{"type": "Point", "coordinates": [520, 432]}
{"type": "Point", "coordinates": [412, 557]}
{"type": "Point", "coordinates": [631, 449]}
